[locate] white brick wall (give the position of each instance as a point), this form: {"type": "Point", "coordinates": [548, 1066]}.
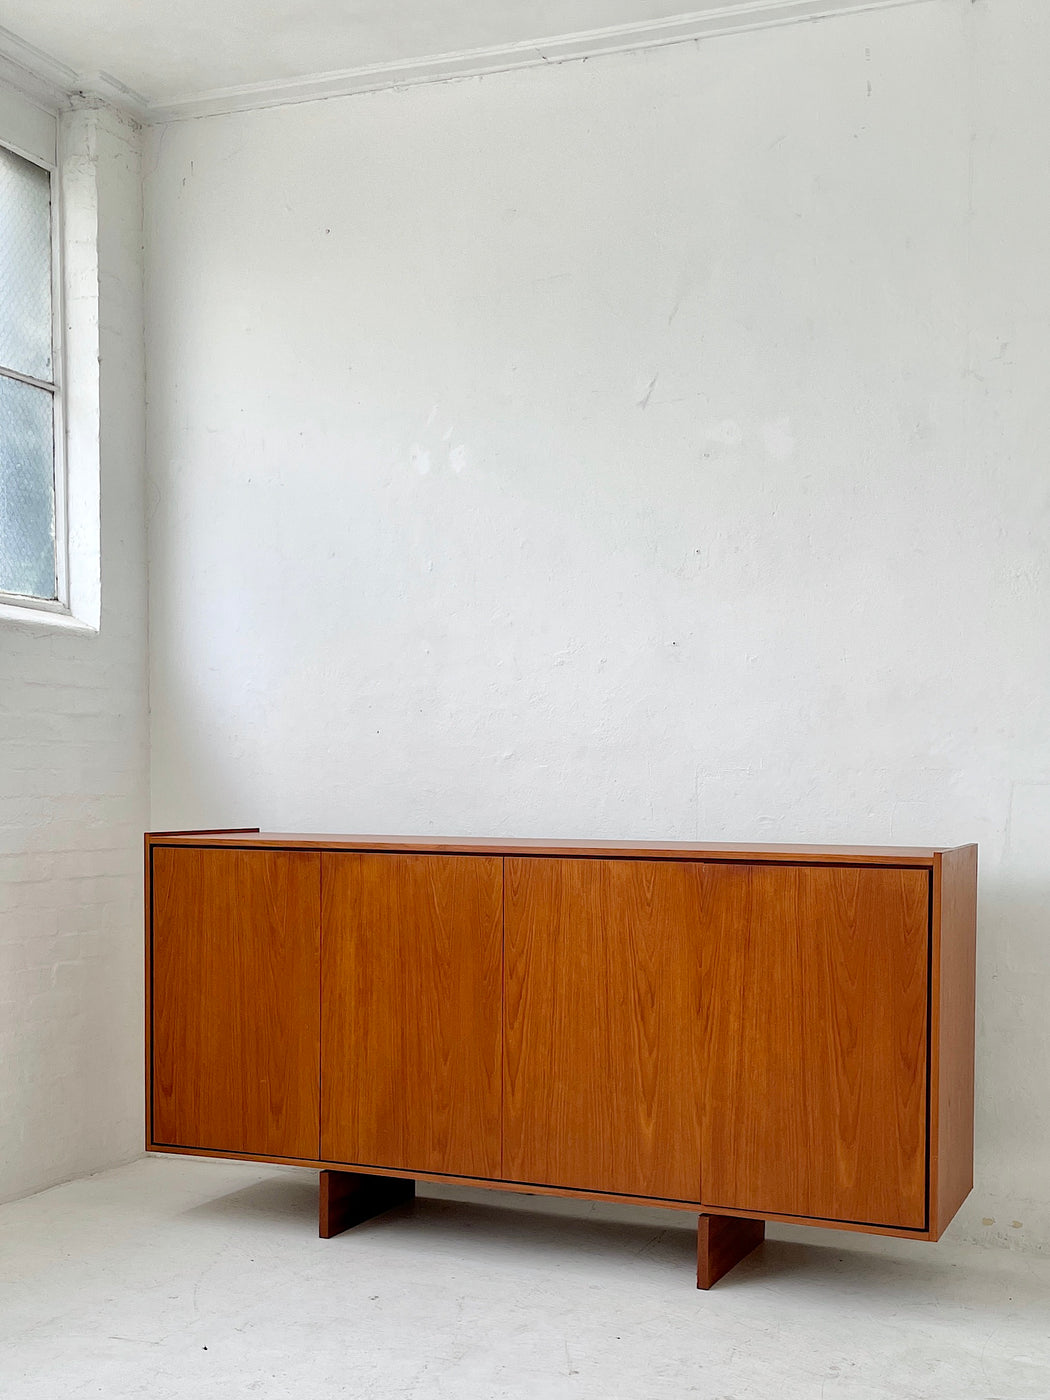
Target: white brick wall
{"type": "Point", "coordinates": [74, 778]}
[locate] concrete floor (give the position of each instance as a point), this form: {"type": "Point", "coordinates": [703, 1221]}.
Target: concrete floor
{"type": "Point", "coordinates": [174, 1278]}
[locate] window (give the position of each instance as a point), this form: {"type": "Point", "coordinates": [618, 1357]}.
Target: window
{"type": "Point", "coordinates": [32, 544]}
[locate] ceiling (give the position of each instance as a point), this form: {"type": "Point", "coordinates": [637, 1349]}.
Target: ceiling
{"type": "Point", "coordinates": [166, 50]}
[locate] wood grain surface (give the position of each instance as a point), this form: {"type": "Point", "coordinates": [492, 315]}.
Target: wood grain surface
{"type": "Point", "coordinates": [625, 850]}
{"type": "Point", "coordinates": [746, 1035]}
{"type": "Point", "coordinates": [953, 970]}
{"type": "Point", "coordinates": [721, 1243]}
{"type": "Point", "coordinates": [235, 979]}
{"type": "Point", "coordinates": [346, 1199]}
{"type": "Point", "coordinates": [602, 1058]}
{"type": "Point", "coordinates": [815, 984]}
{"type": "Point", "coordinates": [412, 950]}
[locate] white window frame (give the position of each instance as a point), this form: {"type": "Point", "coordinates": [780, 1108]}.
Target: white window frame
{"type": "Point", "coordinates": [60, 603]}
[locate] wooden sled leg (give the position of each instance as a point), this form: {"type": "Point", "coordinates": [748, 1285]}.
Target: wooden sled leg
{"type": "Point", "coordinates": [721, 1242]}
{"type": "Point", "coordinates": [348, 1198]}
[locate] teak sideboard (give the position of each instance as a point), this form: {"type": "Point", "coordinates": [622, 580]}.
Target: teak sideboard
{"type": "Point", "coordinates": [750, 1033]}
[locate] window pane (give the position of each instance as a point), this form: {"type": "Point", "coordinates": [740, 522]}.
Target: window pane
{"type": "Point", "coordinates": [27, 490]}
{"type": "Point", "coordinates": [25, 266]}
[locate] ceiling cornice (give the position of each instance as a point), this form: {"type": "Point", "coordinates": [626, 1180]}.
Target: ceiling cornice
{"type": "Point", "coordinates": [716, 17]}
{"type": "Point", "coordinates": [34, 74]}
{"type": "Point", "coordinates": [52, 84]}
{"type": "Point", "coordinates": [57, 87]}
{"type": "Point", "coordinates": [104, 88]}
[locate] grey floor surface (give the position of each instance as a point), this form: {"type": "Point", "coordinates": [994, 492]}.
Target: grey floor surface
{"type": "Point", "coordinates": [174, 1277]}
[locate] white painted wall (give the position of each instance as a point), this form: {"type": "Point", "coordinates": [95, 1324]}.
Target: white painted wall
{"type": "Point", "coordinates": [73, 743]}
{"type": "Point", "coordinates": [649, 447]}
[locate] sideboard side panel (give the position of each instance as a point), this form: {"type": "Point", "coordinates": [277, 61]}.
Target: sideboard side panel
{"type": "Point", "coordinates": [815, 1027]}
{"type": "Point", "coordinates": [235, 1016]}
{"type": "Point", "coordinates": [953, 974]}
{"type": "Point", "coordinates": [412, 950]}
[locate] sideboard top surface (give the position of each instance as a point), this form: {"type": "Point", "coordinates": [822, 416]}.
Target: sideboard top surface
{"type": "Point", "coordinates": [922, 856]}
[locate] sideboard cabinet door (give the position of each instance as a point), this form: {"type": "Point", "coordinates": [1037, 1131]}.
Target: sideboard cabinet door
{"type": "Point", "coordinates": [412, 949]}
{"type": "Point", "coordinates": [815, 1028]}
{"type": "Point", "coordinates": [236, 1025]}
{"type": "Point", "coordinates": [603, 1062]}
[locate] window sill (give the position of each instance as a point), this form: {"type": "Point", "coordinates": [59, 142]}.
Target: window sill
{"type": "Point", "coordinates": [51, 618]}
